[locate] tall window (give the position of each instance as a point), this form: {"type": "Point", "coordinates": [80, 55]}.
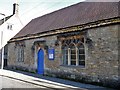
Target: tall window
{"type": "Point", "coordinates": [73, 53]}
{"type": "Point", "coordinates": [20, 52]}
{"type": "Point", "coordinates": [65, 54]}
{"type": "Point", "coordinates": [81, 54]}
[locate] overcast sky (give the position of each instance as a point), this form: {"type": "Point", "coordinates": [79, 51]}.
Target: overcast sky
{"type": "Point", "coordinates": [29, 9]}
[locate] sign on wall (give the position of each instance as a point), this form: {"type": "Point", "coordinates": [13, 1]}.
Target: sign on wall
{"type": "Point", "coordinates": [51, 54]}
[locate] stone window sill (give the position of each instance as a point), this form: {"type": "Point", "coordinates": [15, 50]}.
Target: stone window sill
{"type": "Point", "coordinates": [73, 66]}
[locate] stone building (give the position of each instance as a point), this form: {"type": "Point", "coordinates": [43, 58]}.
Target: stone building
{"type": "Point", "coordinates": [79, 42]}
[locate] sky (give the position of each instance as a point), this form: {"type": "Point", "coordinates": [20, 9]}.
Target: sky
{"type": "Point", "coordinates": [30, 9]}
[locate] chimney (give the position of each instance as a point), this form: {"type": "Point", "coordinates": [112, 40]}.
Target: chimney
{"type": "Point", "coordinates": [15, 8]}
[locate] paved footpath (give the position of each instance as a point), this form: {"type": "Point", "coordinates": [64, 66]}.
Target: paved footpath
{"type": "Point", "coordinates": [55, 83]}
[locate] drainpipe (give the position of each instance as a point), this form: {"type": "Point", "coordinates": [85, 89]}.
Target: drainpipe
{"type": "Point", "coordinates": [2, 47]}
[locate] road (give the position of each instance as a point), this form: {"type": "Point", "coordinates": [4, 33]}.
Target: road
{"type": "Point", "coordinates": [6, 82]}
{"type": "Point", "coordinates": [22, 81]}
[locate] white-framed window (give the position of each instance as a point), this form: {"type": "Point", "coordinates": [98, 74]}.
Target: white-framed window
{"type": "Point", "coordinates": [73, 52]}
{"type": "Point", "coordinates": [81, 54]}
{"type": "Point", "coordinates": [20, 54]}
{"type": "Point", "coordinates": [19, 51]}
{"type": "Point", "coordinates": [65, 54]}
{"type": "Point", "coordinates": [72, 55]}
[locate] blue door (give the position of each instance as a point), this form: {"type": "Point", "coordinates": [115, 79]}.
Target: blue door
{"type": "Point", "coordinates": [40, 66]}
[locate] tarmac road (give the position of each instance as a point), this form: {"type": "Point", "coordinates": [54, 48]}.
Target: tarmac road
{"type": "Point", "coordinates": [23, 80]}
{"type": "Point", "coordinates": [6, 82]}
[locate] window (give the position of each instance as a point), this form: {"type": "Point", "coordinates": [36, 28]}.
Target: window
{"type": "Point", "coordinates": [81, 54]}
{"type": "Point", "coordinates": [65, 54]}
{"type": "Point", "coordinates": [10, 27]}
{"type": "Point", "coordinates": [73, 52]}
{"type": "Point", "coordinates": [20, 52]}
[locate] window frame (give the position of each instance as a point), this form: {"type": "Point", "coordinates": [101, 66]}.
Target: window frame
{"type": "Point", "coordinates": [64, 60]}
{"type": "Point", "coordinates": [78, 53]}
{"type": "Point", "coordinates": [76, 44]}
{"type": "Point", "coordinates": [20, 53]}
{"type": "Point", "coordinates": [70, 55]}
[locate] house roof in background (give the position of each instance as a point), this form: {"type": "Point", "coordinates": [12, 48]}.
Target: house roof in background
{"type": "Point", "coordinates": [81, 13]}
{"type": "Point", "coordinates": [6, 18]}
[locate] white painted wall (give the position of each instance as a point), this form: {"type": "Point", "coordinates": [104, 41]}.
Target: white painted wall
{"type": "Point", "coordinates": [8, 34]}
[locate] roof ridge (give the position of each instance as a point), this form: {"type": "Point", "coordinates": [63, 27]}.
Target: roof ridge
{"type": "Point", "coordinates": [77, 14]}
{"type": "Point", "coordinates": [58, 10]}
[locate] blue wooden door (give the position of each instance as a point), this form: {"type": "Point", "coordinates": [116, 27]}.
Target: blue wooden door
{"type": "Point", "coordinates": [40, 66]}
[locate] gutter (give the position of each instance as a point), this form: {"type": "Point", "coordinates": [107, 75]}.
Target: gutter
{"type": "Point", "coordinates": [82, 27]}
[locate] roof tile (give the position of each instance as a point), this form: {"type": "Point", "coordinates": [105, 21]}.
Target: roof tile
{"type": "Point", "coordinates": [77, 14]}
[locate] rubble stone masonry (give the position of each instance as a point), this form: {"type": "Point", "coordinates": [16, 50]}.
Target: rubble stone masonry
{"type": "Point", "coordinates": [101, 64]}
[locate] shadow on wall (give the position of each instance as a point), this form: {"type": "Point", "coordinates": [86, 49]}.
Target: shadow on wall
{"type": "Point", "coordinates": [5, 56]}
{"type": "Point", "coordinates": [0, 57]}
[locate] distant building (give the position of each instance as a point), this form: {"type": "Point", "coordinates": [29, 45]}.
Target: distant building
{"type": "Point", "coordinates": [79, 42]}
{"type": "Point", "coordinates": [9, 27]}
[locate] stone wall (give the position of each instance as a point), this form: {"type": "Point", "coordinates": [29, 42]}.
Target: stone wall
{"type": "Point", "coordinates": [101, 59]}
{"type": "Point", "coordinates": [30, 53]}
{"type": "Point", "coordinates": [101, 65]}
{"type": "Point", "coordinates": [29, 59]}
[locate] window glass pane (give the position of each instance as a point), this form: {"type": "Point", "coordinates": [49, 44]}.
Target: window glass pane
{"type": "Point", "coordinates": [81, 57]}
{"type": "Point", "coordinates": [81, 51]}
{"type": "Point", "coordinates": [66, 61]}
{"type": "Point", "coordinates": [8, 27]}
{"type": "Point", "coordinates": [22, 54]}
{"type": "Point", "coordinates": [81, 62]}
{"type": "Point", "coordinates": [73, 62]}
{"type": "Point", "coordinates": [81, 54]}
{"type": "Point", "coordinates": [65, 54]}
{"type": "Point", "coordinates": [64, 58]}
{"type": "Point", "coordinates": [73, 57]}
{"type": "Point", "coordinates": [73, 54]}
{"type": "Point", "coordinates": [77, 40]}
{"type": "Point", "coordinates": [81, 46]}
{"type": "Point", "coordinates": [66, 51]}
{"type": "Point", "coordinates": [73, 51]}
{"type": "Point", "coordinates": [18, 54]}
{"type": "Point", "coordinates": [82, 40]}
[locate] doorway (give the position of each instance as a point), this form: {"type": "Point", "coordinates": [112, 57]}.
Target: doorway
{"type": "Point", "coordinates": [40, 64]}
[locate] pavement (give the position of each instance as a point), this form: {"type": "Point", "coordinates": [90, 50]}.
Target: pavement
{"type": "Point", "coordinates": [49, 81]}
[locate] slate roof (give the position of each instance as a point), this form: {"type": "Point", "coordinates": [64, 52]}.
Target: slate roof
{"type": "Point", "coordinates": [77, 14]}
